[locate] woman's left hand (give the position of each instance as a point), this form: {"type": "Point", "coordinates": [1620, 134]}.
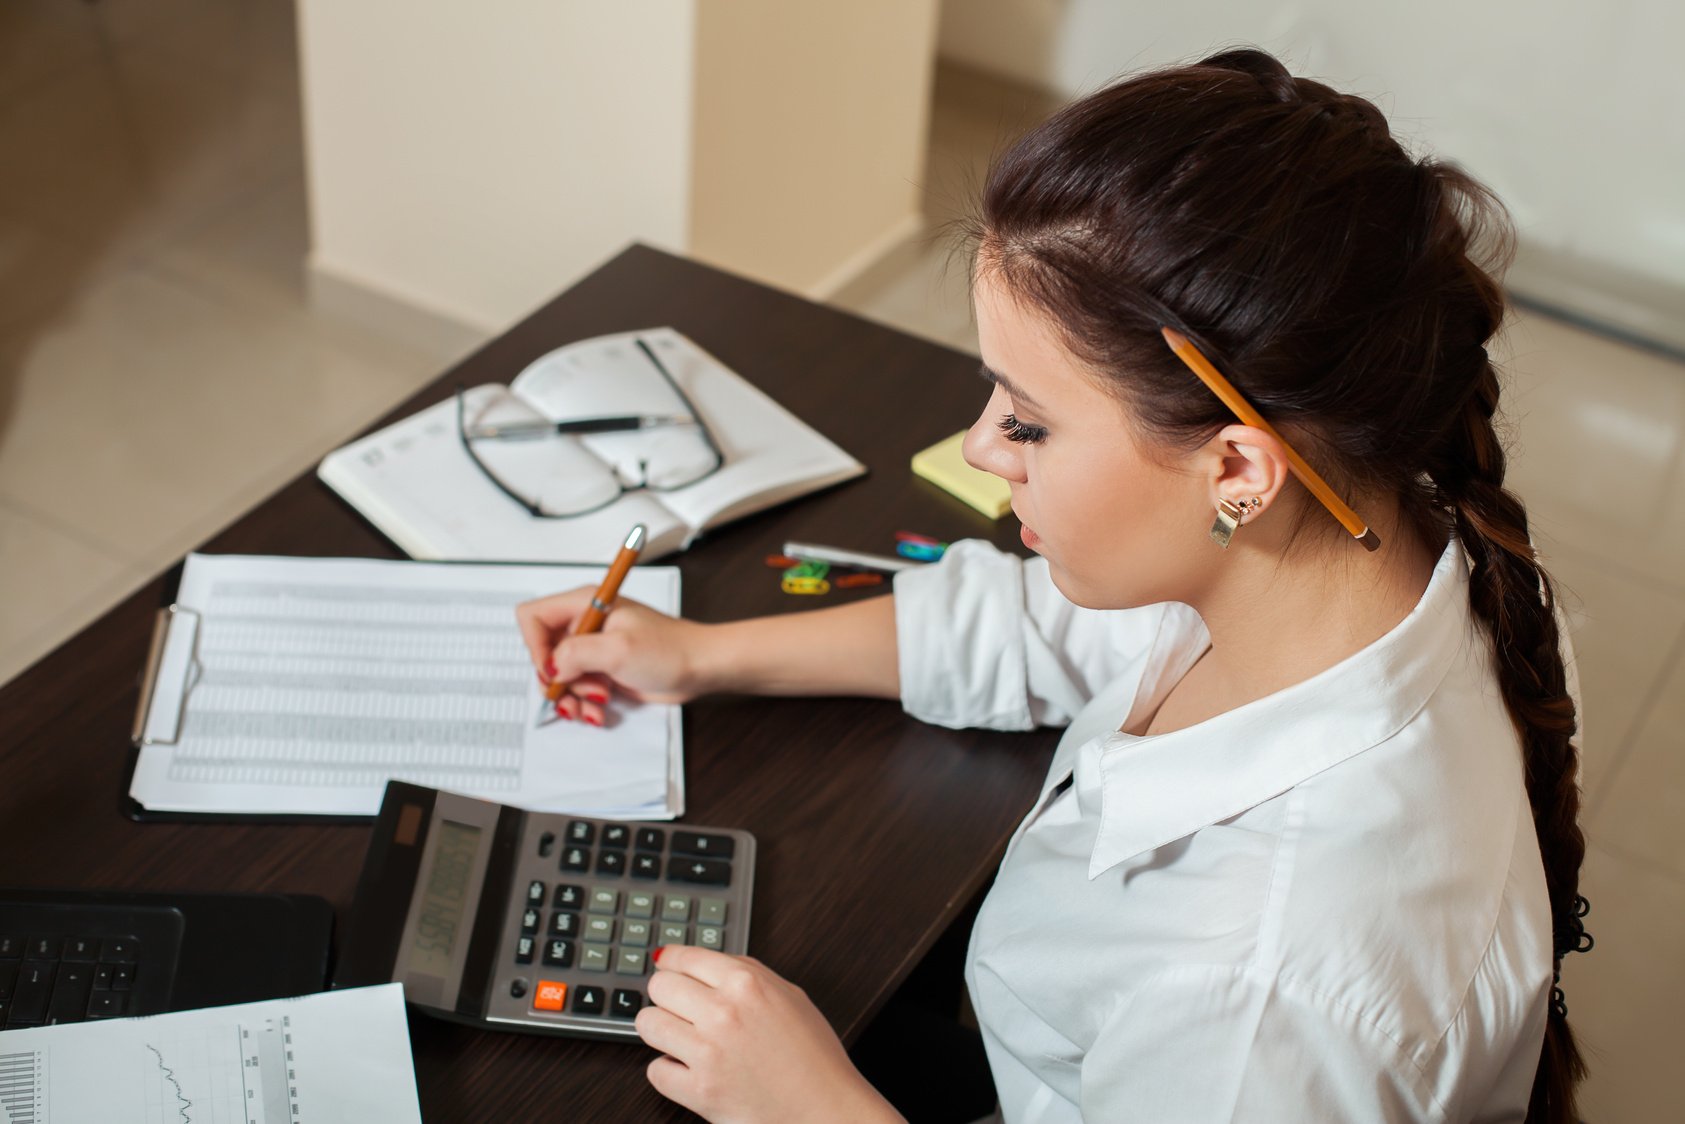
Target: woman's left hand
{"type": "Point", "coordinates": [741, 1044]}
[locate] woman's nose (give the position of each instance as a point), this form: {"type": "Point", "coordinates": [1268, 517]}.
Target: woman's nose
{"type": "Point", "coordinates": [985, 448]}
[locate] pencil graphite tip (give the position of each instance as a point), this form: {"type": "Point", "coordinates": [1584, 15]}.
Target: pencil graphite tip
{"type": "Point", "coordinates": [635, 540]}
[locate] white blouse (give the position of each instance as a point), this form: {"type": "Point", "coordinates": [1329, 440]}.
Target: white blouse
{"type": "Point", "coordinates": [1327, 904]}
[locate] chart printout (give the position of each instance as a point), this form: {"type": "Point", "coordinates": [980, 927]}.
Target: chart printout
{"type": "Point", "coordinates": [337, 1056]}
{"type": "Point", "coordinates": [304, 685]}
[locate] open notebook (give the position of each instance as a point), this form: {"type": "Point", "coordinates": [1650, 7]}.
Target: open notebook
{"type": "Point", "coordinates": [415, 481]}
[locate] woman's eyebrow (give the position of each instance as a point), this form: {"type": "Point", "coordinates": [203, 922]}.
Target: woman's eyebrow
{"type": "Point", "coordinates": [1008, 385]}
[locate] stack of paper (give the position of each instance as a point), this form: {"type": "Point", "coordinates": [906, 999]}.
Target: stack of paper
{"type": "Point", "coordinates": [302, 685]}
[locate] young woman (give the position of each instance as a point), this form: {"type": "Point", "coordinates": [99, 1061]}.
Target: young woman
{"type": "Point", "coordinates": [1308, 848]}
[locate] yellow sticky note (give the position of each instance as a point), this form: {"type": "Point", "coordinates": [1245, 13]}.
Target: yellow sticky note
{"type": "Point", "coordinates": [943, 465]}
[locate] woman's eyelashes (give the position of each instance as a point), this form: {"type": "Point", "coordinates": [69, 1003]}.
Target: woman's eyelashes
{"type": "Point", "coordinates": [1015, 430]}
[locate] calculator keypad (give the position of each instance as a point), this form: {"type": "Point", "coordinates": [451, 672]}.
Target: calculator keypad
{"type": "Point", "coordinates": [595, 901]}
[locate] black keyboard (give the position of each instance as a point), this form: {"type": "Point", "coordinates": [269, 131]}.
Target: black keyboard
{"type": "Point", "coordinates": [66, 963]}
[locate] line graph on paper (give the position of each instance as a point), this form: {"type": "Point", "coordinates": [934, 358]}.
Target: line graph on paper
{"type": "Point", "coordinates": [233, 1073]}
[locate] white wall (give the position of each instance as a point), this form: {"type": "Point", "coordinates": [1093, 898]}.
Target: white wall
{"type": "Point", "coordinates": [467, 158]}
{"type": "Point", "coordinates": [1573, 113]}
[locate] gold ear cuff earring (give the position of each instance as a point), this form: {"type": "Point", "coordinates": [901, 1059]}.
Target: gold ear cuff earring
{"type": "Point", "coordinates": [1229, 515]}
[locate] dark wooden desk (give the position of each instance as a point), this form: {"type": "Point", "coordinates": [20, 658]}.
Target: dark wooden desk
{"type": "Point", "coordinates": [875, 830]}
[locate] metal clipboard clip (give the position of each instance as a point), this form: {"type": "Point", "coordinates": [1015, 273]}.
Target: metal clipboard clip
{"type": "Point", "coordinates": [172, 671]}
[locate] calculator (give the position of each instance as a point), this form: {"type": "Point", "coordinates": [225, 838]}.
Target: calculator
{"type": "Point", "coordinates": [536, 922]}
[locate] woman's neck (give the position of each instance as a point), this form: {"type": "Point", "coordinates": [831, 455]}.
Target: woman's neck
{"type": "Point", "coordinates": [1278, 616]}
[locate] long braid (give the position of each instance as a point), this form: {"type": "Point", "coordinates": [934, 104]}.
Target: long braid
{"type": "Point", "coordinates": [1515, 600]}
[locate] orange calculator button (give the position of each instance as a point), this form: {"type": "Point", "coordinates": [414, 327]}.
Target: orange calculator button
{"type": "Point", "coordinates": [550, 996]}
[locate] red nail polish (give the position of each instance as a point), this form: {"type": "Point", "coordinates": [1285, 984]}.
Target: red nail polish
{"type": "Point", "coordinates": [593, 719]}
{"type": "Point", "coordinates": [550, 668]}
{"type": "Point", "coordinates": [598, 697]}
{"type": "Point", "coordinates": [656, 956]}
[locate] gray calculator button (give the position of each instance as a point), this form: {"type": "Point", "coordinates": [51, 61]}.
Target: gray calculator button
{"type": "Point", "coordinates": [672, 934]}
{"type": "Point", "coordinates": [639, 904]}
{"type": "Point", "coordinates": [635, 933]}
{"type": "Point", "coordinates": [630, 963]}
{"type": "Point", "coordinates": [593, 958]}
{"type": "Point", "coordinates": [710, 911]}
{"type": "Point", "coordinates": [599, 929]}
{"type": "Point", "coordinates": [675, 907]}
{"type": "Point", "coordinates": [710, 936]}
{"type": "Point", "coordinates": [604, 901]}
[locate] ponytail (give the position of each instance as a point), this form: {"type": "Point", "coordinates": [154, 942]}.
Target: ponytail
{"type": "Point", "coordinates": [1515, 602]}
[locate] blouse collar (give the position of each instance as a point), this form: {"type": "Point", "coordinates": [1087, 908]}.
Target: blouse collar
{"type": "Point", "coordinates": [1155, 790]}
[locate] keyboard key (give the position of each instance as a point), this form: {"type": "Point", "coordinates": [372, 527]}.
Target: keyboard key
{"type": "Point", "coordinates": [599, 929]}
{"type": "Point", "coordinates": [529, 920]}
{"type": "Point", "coordinates": [102, 976]}
{"type": "Point", "coordinates": [593, 958]}
{"type": "Point", "coordinates": [626, 1003]}
{"type": "Point", "coordinates": [672, 933]}
{"type": "Point", "coordinates": [11, 948]}
{"type": "Point", "coordinates": [604, 900]}
{"type": "Point", "coordinates": [708, 872]}
{"type": "Point", "coordinates": [611, 864]}
{"type": "Point", "coordinates": [708, 846]}
{"type": "Point", "coordinates": [558, 954]}
{"type": "Point", "coordinates": [517, 988]}
{"type": "Point", "coordinates": [631, 962]}
{"type": "Point", "coordinates": [675, 907]}
{"type": "Point", "coordinates": [44, 948]}
{"type": "Point", "coordinates": [33, 989]}
{"type": "Point", "coordinates": [710, 911]}
{"type": "Point", "coordinates": [645, 865]}
{"type": "Point", "coordinates": [106, 1004]}
{"type": "Point", "coordinates": [710, 936]}
{"type": "Point", "coordinates": [587, 999]}
{"type": "Point", "coordinates": [122, 977]}
{"type": "Point", "coordinates": [8, 979]}
{"type": "Point", "coordinates": [576, 858]}
{"type": "Point", "coordinates": [70, 993]}
{"type": "Point", "coordinates": [581, 832]}
{"type": "Point", "coordinates": [81, 949]}
{"type": "Point", "coordinates": [635, 934]}
{"type": "Point", "coordinates": [640, 904]}
{"type": "Point", "coordinates": [551, 996]}
{"type": "Point", "coordinates": [616, 835]}
{"type": "Point", "coordinates": [570, 897]}
{"type": "Point", "coordinates": [546, 844]}
{"type": "Point", "coordinates": [650, 839]}
{"type": "Point", "coordinates": [523, 950]}
{"type": "Point", "coordinates": [564, 923]}
{"type": "Point", "coordinates": [122, 950]}
{"type": "Point", "coordinates": [536, 892]}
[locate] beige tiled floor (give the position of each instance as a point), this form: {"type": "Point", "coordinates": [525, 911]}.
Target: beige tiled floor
{"type": "Point", "coordinates": [161, 369]}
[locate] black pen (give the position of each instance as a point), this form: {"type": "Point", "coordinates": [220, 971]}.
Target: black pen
{"type": "Point", "coordinates": [619, 424]}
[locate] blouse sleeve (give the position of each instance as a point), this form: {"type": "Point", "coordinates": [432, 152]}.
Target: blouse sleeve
{"type": "Point", "coordinates": [986, 639]}
{"type": "Point", "coordinates": [1221, 1043]}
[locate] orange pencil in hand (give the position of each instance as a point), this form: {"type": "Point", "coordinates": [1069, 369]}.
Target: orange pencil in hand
{"type": "Point", "coordinates": [601, 602]}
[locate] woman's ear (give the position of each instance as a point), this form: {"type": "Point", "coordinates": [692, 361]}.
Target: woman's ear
{"type": "Point", "coordinates": [1248, 468]}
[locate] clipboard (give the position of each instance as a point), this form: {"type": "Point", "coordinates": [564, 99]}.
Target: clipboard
{"type": "Point", "coordinates": [173, 669]}
{"type": "Point", "coordinates": [155, 668]}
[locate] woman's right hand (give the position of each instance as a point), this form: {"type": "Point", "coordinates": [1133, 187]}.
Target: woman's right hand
{"type": "Point", "coordinates": [640, 652]}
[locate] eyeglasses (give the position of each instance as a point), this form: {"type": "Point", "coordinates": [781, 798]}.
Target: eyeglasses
{"type": "Point", "coordinates": [645, 434]}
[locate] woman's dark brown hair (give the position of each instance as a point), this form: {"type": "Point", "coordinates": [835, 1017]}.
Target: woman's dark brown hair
{"type": "Point", "coordinates": [1334, 279]}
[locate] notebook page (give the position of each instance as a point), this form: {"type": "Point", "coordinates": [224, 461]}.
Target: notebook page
{"type": "Point", "coordinates": [770, 454]}
{"type": "Point", "coordinates": [314, 681]}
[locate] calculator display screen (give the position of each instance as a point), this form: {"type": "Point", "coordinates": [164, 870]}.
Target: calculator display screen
{"type": "Point", "coordinates": [445, 898]}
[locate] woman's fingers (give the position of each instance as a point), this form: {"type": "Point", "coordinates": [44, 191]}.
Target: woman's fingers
{"type": "Point", "coordinates": [544, 620]}
{"type": "Point", "coordinates": [685, 996]}
{"type": "Point", "coordinates": [716, 969]}
{"type": "Point", "coordinates": [662, 1030]}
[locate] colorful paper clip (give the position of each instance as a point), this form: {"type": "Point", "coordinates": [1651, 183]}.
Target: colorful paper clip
{"type": "Point", "coordinates": [908, 536]}
{"type": "Point", "coordinates": [782, 561]}
{"type": "Point", "coordinates": [920, 552]}
{"type": "Point", "coordinates": [805, 585]}
{"type": "Point", "coordinates": [850, 581]}
{"type": "Point", "coordinates": [808, 570]}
